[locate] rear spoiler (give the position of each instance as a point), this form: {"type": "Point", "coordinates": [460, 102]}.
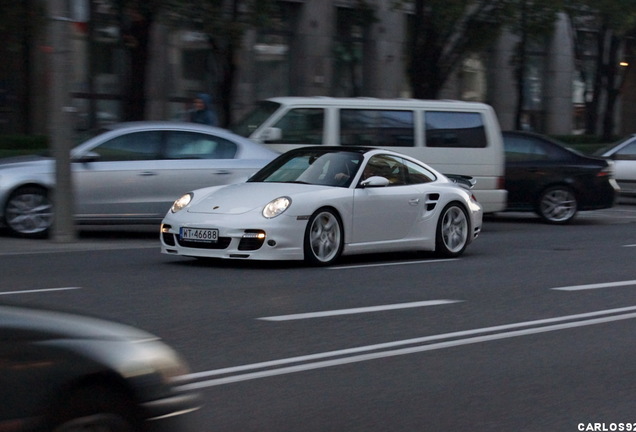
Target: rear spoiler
{"type": "Point", "coordinates": [467, 182]}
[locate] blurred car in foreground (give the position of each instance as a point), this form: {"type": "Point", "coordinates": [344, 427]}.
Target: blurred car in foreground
{"type": "Point", "coordinates": [129, 174]}
{"type": "Point", "coordinates": [545, 177]}
{"type": "Point", "coordinates": [623, 153]}
{"type": "Point", "coordinates": [317, 203]}
{"type": "Point", "coordinates": [67, 373]}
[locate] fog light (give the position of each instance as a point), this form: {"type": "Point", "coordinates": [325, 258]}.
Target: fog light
{"type": "Point", "coordinates": [271, 243]}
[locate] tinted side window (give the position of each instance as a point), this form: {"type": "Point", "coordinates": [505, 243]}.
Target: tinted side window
{"type": "Point", "coordinates": [628, 152]}
{"type": "Point", "coordinates": [416, 174]}
{"type": "Point", "coordinates": [398, 171]}
{"type": "Point", "coordinates": [455, 129]}
{"type": "Point", "coordinates": [524, 149]}
{"type": "Point", "coordinates": [301, 126]}
{"type": "Point", "coordinates": [192, 145]}
{"type": "Point", "coordinates": [385, 128]}
{"type": "Point", "coordinates": [132, 146]}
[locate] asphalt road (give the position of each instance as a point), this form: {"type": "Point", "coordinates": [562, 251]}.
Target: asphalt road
{"type": "Point", "coordinates": [531, 330]}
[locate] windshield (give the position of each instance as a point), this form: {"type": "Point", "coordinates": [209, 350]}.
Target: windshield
{"type": "Point", "coordinates": [252, 121]}
{"type": "Point", "coordinates": [315, 166]}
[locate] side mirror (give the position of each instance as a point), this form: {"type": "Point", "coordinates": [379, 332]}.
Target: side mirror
{"type": "Point", "coordinates": [271, 134]}
{"type": "Point", "coordinates": [375, 181]}
{"type": "Point", "coordinates": [87, 157]}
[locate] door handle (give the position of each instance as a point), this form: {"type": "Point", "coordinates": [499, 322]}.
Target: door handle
{"type": "Point", "coordinates": [414, 201]}
{"type": "Point", "coordinates": [222, 172]}
{"type": "Point", "coordinates": [147, 173]}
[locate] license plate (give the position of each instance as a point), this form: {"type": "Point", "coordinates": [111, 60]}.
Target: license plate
{"type": "Point", "coordinates": [208, 235]}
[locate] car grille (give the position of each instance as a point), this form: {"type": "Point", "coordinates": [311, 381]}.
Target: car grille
{"type": "Point", "coordinates": [168, 238]}
{"type": "Point", "coordinates": [250, 244]}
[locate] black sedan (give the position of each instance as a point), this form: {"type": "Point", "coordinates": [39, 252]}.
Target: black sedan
{"type": "Point", "coordinates": [545, 177]}
{"type": "Point", "coordinates": [69, 373]}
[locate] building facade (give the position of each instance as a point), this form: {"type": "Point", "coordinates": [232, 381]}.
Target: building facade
{"type": "Point", "coordinates": [313, 48]}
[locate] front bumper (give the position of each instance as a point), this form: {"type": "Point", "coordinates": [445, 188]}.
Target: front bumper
{"type": "Point", "coordinates": [280, 238]}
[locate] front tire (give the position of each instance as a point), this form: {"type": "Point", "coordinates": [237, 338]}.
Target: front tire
{"type": "Point", "coordinates": [453, 228]}
{"type": "Point", "coordinates": [29, 212]}
{"type": "Point", "coordinates": [324, 238]}
{"type": "Point", "coordinates": [96, 408]}
{"type": "Point", "coordinates": [557, 205]}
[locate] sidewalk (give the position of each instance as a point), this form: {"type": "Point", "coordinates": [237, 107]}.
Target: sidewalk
{"type": "Point", "coordinates": [87, 238]}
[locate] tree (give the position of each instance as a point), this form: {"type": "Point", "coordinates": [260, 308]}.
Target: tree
{"type": "Point", "coordinates": [20, 23]}
{"type": "Point", "coordinates": [136, 18]}
{"type": "Point", "coordinates": [225, 23]}
{"type": "Point", "coordinates": [532, 21]}
{"type": "Point", "coordinates": [444, 32]}
{"type": "Point", "coordinates": [613, 24]}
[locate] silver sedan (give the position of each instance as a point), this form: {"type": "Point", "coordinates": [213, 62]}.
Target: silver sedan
{"type": "Point", "coordinates": [623, 154]}
{"type": "Point", "coordinates": [131, 173]}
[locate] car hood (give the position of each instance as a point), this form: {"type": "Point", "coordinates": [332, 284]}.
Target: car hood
{"type": "Point", "coordinates": [25, 161]}
{"type": "Point", "coordinates": [244, 197]}
{"type": "Point", "coordinates": [26, 324]}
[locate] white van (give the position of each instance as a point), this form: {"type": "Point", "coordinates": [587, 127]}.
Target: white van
{"type": "Point", "coordinates": [452, 136]}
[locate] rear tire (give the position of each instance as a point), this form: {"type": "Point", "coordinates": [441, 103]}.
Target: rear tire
{"type": "Point", "coordinates": [29, 212]}
{"type": "Point", "coordinates": [453, 228]}
{"type": "Point", "coordinates": [557, 205]}
{"type": "Point", "coordinates": [324, 238]}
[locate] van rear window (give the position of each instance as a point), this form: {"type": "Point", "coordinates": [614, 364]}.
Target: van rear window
{"type": "Point", "coordinates": [454, 129]}
{"type": "Point", "coordinates": [385, 128]}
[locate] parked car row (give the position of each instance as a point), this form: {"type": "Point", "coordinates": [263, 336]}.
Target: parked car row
{"type": "Point", "coordinates": [132, 172]}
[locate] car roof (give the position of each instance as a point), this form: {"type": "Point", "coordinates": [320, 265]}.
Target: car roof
{"type": "Point", "coordinates": [375, 102]}
{"type": "Point", "coordinates": [124, 127]}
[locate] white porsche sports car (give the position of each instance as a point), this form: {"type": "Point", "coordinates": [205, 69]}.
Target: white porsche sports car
{"type": "Point", "coordinates": [318, 203]}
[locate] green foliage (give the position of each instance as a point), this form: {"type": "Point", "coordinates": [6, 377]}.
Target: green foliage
{"type": "Point", "coordinates": [444, 32]}
{"type": "Point", "coordinates": [619, 15]}
{"type": "Point", "coordinates": [17, 145]}
{"type": "Point", "coordinates": [23, 142]}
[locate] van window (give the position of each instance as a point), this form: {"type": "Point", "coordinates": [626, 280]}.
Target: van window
{"type": "Point", "coordinates": [255, 118]}
{"type": "Point", "coordinates": [301, 126]}
{"type": "Point", "coordinates": [454, 129]}
{"type": "Point", "coordinates": [385, 128]}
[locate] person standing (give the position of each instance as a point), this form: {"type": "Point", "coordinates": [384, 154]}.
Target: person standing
{"type": "Point", "coordinates": [203, 111]}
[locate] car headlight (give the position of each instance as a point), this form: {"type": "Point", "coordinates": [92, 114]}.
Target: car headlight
{"type": "Point", "coordinates": [181, 203]}
{"type": "Point", "coordinates": [276, 207]}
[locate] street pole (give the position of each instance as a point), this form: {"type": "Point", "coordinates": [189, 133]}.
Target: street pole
{"type": "Point", "coordinates": [60, 121]}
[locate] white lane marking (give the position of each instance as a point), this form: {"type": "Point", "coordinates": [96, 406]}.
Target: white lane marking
{"type": "Point", "coordinates": [596, 286]}
{"type": "Point", "coordinates": [630, 245]}
{"type": "Point", "coordinates": [398, 352]}
{"type": "Point", "coordinates": [39, 290]}
{"type": "Point", "coordinates": [391, 264]}
{"type": "Point", "coordinates": [357, 310]}
{"type": "Point", "coordinates": [386, 345]}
